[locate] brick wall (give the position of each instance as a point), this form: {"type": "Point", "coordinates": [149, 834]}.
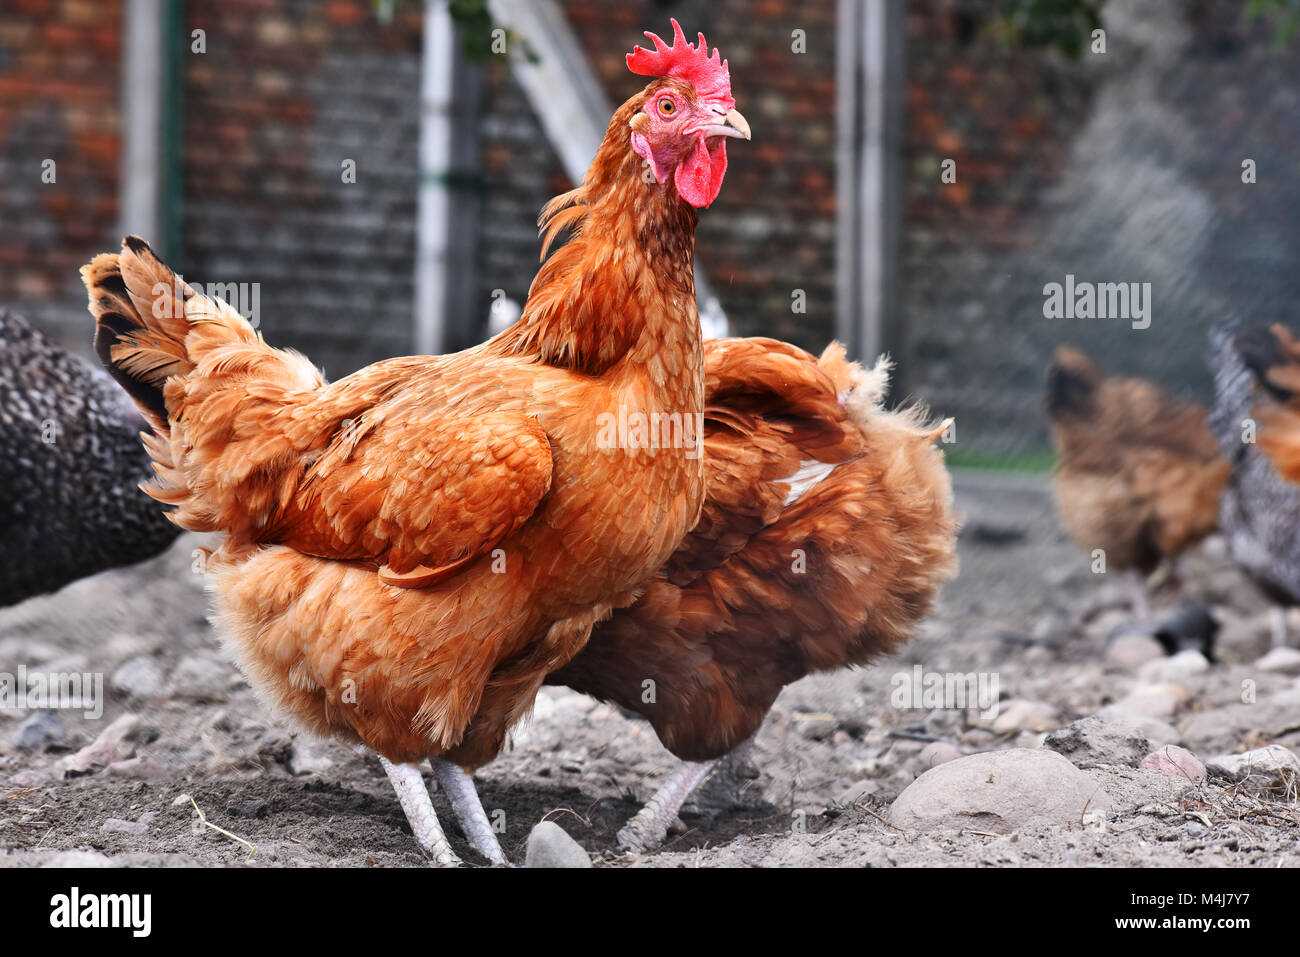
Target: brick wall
{"type": "Point", "coordinates": [284, 94]}
{"type": "Point", "coordinates": [1124, 167]}
{"type": "Point", "coordinates": [58, 100]}
{"type": "Point", "coordinates": [1117, 168]}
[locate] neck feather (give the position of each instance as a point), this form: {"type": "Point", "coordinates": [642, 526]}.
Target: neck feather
{"type": "Point", "coordinates": [624, 284]}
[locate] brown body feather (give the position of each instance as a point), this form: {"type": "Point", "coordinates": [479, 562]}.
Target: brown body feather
{"type": "Point", "coordinates": [410, 549]}
{"type": "Point", "coordinates": [1139, 474]}
{"type": "Point", "coordinates": [763, 592]}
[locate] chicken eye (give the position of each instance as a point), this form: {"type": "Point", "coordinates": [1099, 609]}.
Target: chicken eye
{"type": "Point", "coordinates": [667, 107]}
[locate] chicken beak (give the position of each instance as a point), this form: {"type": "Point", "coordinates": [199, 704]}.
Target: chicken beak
{"type": "Point", "coordinates": [734, 125]}
{"type": "Point", "coordinates": [737, 122]}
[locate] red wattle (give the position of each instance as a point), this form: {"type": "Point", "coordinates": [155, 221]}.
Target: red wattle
{"type": "Point", "coordinates": [699, 175]}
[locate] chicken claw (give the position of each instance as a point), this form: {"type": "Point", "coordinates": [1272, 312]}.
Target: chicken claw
{"type": "Point", "coordinates": [650, 826]}
{"type": "Point", "coordinates": [459, 787]}
{"type": "Point", "coordinates": [415, 801]}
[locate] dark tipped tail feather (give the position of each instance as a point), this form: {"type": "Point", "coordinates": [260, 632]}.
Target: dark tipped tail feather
{"type": "Point", "coordinates": [1072, 381]}
{"type": "Point", "coordinates": [140, 325]}
{"type": "Point", "coordinates": [1263, 353]}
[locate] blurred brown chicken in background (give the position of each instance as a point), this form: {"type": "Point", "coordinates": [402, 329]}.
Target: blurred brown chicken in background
{"type": "Point", "coordinates": [1139, 474]}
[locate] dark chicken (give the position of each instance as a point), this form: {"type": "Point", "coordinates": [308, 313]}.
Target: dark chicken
{"type": "Point", "coordinates": [69, 501]}
{"type": "Point", "coordinates": [1254, 419]}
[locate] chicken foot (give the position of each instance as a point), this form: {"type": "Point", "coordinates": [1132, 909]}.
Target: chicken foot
{"type": "Point", "coordinates": [415, 801]}
{"type": "Point", "coordinates": [461, 793]}
{"type": "Point", "coordinates": [650, 826]}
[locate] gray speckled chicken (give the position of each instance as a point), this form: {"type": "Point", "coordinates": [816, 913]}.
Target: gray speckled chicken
{"type": "Point", "coordinates": [70, 464]}
{"type": "Point", "coordinates": [1259, 513]}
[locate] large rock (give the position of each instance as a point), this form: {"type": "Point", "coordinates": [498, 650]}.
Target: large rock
{"type": "Point", "coordinates": [550, 846]}
{"type": "Point", "coordinates": [1270, 717]}
{"type": "Point", "coordinates": [1158, 701]}
{"type": "Point", "coordinates": [1090, 742]}
{"type": "Point", "coordinates": [1274, 770]}
{"type": "Point", "coordinates": [999, 791]}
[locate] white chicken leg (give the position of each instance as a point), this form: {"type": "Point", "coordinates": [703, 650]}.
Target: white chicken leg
{"type": "Point", "coordinates": [461, 793]}
{"type": "Point", "coordinates": [650, 826]}
{"type": "Point", "coordinates": [415, 801]}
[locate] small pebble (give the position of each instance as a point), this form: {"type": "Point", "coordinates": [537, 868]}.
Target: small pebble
{"type": "Point", "coordinates": [858, 791]}
{"type": "Point", "coordinates": [1152, 701]}
{"type": "Point", "coordinates": [116, 825]}
{"type": "Point", "coordinates": [1131, 651]}
{"type": "Point", "coordinates": [309, 757]}
{"type": "Point", "coordinates": [1185, 664]}
{"type": "Point", "coordinates": [1282, 660]}
{"type": "Point", "coordinates": [1022, 715]}
{"type": "Point", "coordinates": [112, 745]}
{"type": "Point", "coordinates": [201, 678]}
{"type": "Point", "coordinates": [140, 677]}
{"type": "Point", "coordinates": [936, 753]}
{"type": "Point", "coordinates": [39, 731]}
{"type": "Point", "coordinates": [1172, 759]}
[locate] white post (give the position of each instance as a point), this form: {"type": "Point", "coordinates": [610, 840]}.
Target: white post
{"type": "Point", "coordinates": [140, 191]}
{"type": "Point", "coordinates": [848, 79]}
{"type": "Point", "coordinates": [870, 79]}
{"type": "Point", "coordinates": [432, 227]}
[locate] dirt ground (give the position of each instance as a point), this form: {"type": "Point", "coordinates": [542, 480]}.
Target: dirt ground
{"type": "Point", "coordinates": [831, 756]}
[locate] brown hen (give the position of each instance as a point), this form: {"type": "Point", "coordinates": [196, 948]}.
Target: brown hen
{"type": "Point", "coordinates": [408, 551]}
{"type": "Point", "coordinates": [826, 531]}
{"type": "Point", "coordinates": [1139, 474]}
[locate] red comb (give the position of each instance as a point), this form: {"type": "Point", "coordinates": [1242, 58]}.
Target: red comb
{"type": "Point", "coordinates": [681, 61]}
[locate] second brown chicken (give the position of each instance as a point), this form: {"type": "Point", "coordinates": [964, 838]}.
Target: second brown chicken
{"type": "Point", "coordinates": [827, 529]}
{"type": "Point", "coordinates": [1139, 474]}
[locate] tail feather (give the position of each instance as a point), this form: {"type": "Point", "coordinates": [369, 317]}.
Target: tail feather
{"type": "Point", "coordinates": [150, 326]}
{"type": "Point", "coordinates": [198, 372]}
